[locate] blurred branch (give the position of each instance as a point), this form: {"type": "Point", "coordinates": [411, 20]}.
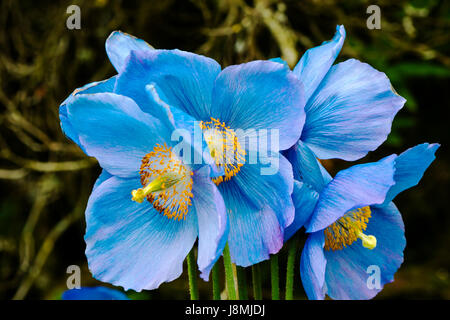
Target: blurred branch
{"type": "Point", "coordinates": [48, 166]}
{"type": "Point", "coordinates": [44, 191]}
{"type": "Point", "coordinates": [276, 22]}
{"type": "Point", "coordinates": [13, 174]}
{"type": "Point", "coordinates": [45, 250]}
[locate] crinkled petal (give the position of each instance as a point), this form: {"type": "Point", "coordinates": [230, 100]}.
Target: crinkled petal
{"type": "Point", "coordinates": [351, 112]}
{"type": "Point", "coordinates": [260, 95]}
{"type": "Point", "coordinates": [410, 167]}
{"type": "Point", "coordinates": [185, 78]}
{"type": "Point", "coordinates": [305, 199]}
{"type": "Point", "coordinates": [94, 87]}
{"type": "Point", "coordinates": [313, 265]}
{"type": "Point", "coordinates": [359, 186]}
{"type": "Point", "coordinates": [306, 167]}
{"type": "Point", "coordinates": [259, 207]}
{"type": "Point", "coordinates": [315, 62]}
{"type": "Point", "coordinates": [94, 293]}
{"type": "Point", "coordinates": [351, 272]}
{"type": "Point", "coordinates": [131, 244]}
{"type": "Point", "coordinates": [114, 130]}
{"type": "Point", "coordinates": [119, 46]}
{"type": "Point", "coordinates": [212, 221]}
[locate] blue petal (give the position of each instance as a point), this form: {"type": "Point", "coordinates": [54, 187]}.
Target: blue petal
{"type": "Point", "coordinates": [351, 112]}
{"type": "Point", "coordinates": [347, 272]}
{"type": "Point", "coordinates": [260, 95]}
{"type": "Point", "coordinates": [410, 167]}
{"type": "Point", "coordinates": [186, 79]}
{"type": "Point", "coordinates": [94, 87]}
{"type": "Point", "coordinates": [130, 244]}
{"type": "Point", "coordinates": [183, 127]}
{"type": "Point", "coordinates": [212, 221]}
{"type": "Point", "coordinates": [105, 175]}
{"type": "Point", "coordinates": [306, 167]}
{"type": "Point", "coordinates": [259, 208]}
{"type": "Point", "coordinates": [356, 187]}
{"type": "Point", "coordinates": [279, 60]}
{"type": "Point", "coordinates": [305, 199]}
{"type": "Point", "coordinates": [94, 293]}
{"type": "Point", "coordinates": [313, 265]}
{"type": "Point", "coordinates": [114, 130]}
{"type": "Point", "coordinates": [315, 63]}
{"type": "Point", "coordinates": [119, 46]}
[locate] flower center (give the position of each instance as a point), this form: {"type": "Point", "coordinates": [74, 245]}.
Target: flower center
{"type": "Point", "coordinates": [348, 229]}
{"type": "Point", "coordinates": [166, 181]}
{"type": "Point", "coordinates": [224, 148]}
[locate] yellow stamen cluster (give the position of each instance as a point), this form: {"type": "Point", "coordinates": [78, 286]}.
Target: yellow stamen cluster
{"type": "Point", "coordinates": [166, 181]}
{"type": "Point", "coordinates": [224, 148]}
{"type": "Point", "coordinates": [348, 229]}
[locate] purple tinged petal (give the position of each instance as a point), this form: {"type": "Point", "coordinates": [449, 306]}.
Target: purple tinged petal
{"type": "Point", "coordinates": [119, 46]}
{"type": "Point", "coordinates": [350, 272]}
{"type": "Point", "coordinates": [94, 87]}
{"type": "Point", "coordinates": [259, 208]}
{"type": "Point", "coordinates": [260, 95]}
{"type": "Point", "coordinates": [306, 167]}
{"type": "Point", "coordinates": [359, 186]}
{"type": "Point", "coordinates": [114, 130]}
{"type": "Point", "coordinates": [305, 199]}
{"type": "Point", "coordinates": [130, 244]}
{"type": "Point", "coordinates": [351, 112]}
{"type": "Point", "coordinates": [184, 125]}
{"type": "Point", "coordinates": [313, 265]}
{"type": "Point", "coordinates": [212, 221]}
{"type": "Point", "coordinates": [105, 175]}
{"type": "Point", "coordinates": [279, 60]}
{"type": "Point", "coordinates": [315, 63]}
{"type": "Point", "coordinates": [185, 79]}
{"type": "Point", "coordinates": [410, 167]}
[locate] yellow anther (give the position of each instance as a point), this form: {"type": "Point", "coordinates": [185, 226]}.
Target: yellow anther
{"type": "Point", "coordinates": [166, 181]}
{"type": "Point", "coordinates": [224, 148]}
{"type": "Point", "coordinates": [348, 229]}
{"type": "Point", "coordinates": [157, 184]}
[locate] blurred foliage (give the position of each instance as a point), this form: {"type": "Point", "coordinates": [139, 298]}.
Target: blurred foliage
{"type": "Point", "coordinates": [46, 179]}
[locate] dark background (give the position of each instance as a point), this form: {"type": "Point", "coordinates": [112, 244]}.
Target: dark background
{"type": "Point", "coordinates": [46, 180]}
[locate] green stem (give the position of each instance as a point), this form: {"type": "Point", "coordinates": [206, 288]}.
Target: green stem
{"type": "Point", "coordinates": [242, 283]}
{"type": "Point", "coordinates": [193, 289]}
{"type": "Point", "coordinates": [216, 282]}
{"type": "Point", "coordinates": [256, 278]}
{"type": "Point", "coordinates": [274, 277]}
{"type": "Point", "coordinates": [229, 273]}
{"type": "Point", "coordinates": [290, 269]}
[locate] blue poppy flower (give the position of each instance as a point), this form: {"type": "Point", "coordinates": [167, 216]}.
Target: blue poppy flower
{"type": "Point", "coordinates": [349, 106]}
{"type": "Point", "coordinates": [149, 205]}
{"type": "Point", "coordinates": [94, 293]}
{"type": "Point", "coordinates": [352, 223]}
{"type": "Point", "coordinates": [251, 96]}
